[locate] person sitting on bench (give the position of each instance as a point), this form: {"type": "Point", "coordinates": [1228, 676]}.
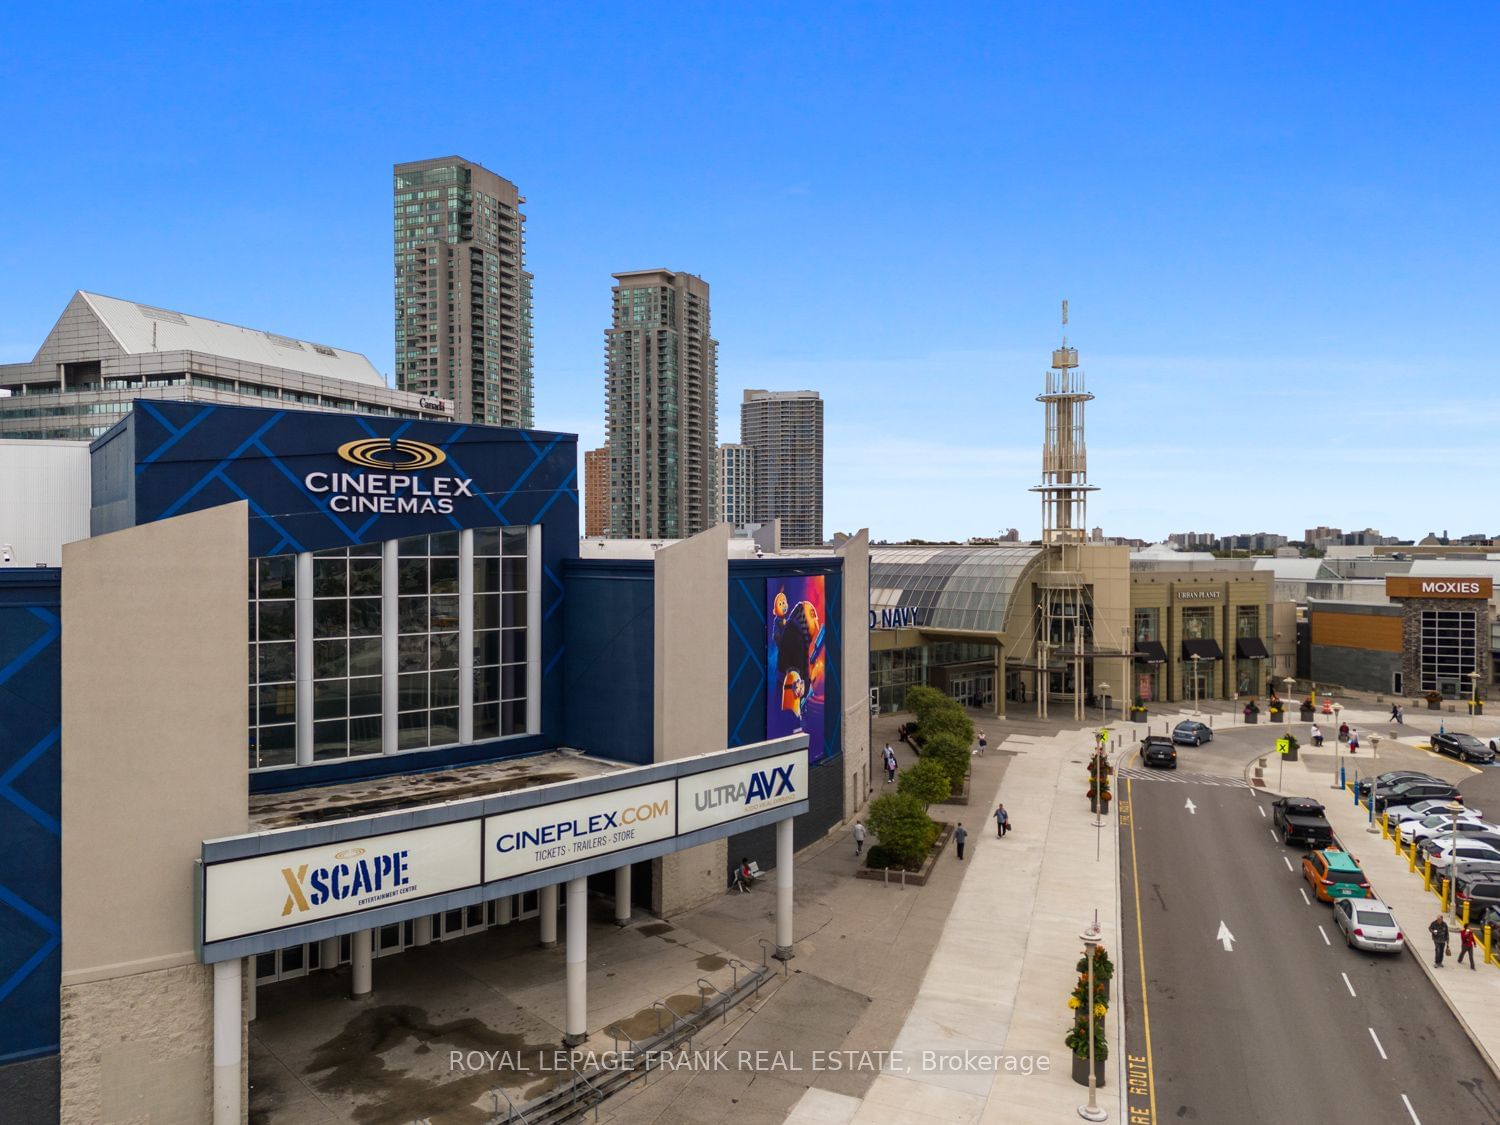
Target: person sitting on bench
{"type": "Point", "coordinates": [744, 875]}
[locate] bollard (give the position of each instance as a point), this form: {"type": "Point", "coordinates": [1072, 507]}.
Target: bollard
{"type": "Point", "coordinates": [1411, 861]}
{"type": "Point", "coordinates": [1489, 956]}
{"type": "Point", "coordinates": [1385, 829]}
{"type": "Point", "coordinates": [1443, 898]}
{"type": "Point", "coordinates": [1427, 875]}
{"type": "Point", "coordinates": [1464, 918]}
{"type": "Point", "coordinates": [903, 878]}
{"type": "Point", "coordinates": [887, 878]}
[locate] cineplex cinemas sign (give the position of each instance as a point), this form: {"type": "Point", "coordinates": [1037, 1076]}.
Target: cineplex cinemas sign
{"type": "Point", "coordinates": [282, 888]}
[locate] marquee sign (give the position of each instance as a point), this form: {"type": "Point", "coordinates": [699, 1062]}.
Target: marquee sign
{"type": "Point", "coordinates": [720, 796]}
{"type": "Point", "coordinates": [518, 843]}
{"type": "Point", "coordinates": [1409, 586]}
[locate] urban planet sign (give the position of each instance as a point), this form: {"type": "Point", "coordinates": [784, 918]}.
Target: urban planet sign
{"type": "Point", "coordinates": [1199, 595]}
{"type": "Point", "coordinates": [393, 488]}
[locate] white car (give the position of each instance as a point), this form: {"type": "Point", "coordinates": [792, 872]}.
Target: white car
{"type": "Point", "coordinates": [1441, 851]}
{"type": "Point", "coordinates": [1368, 924]}
{"type": "Point", "coordinates": [1441, 826]}
{"type": "Point", "coordinates": [1397, 813]}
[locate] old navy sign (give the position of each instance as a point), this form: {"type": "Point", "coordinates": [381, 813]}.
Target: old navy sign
{"type": "Point", "coordinates": [720, 796]}
{"type": "Point", "coordinates": [897, 617]}
{"type": "Point", "coordinates": [288, 888]}
{"type": "Point", "coordinates": [518, 843]}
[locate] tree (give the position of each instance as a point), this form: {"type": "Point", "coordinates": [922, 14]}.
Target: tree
{"type": "Point", "coordinates": [951, 720]}
{"type": "Point", "coordinates": [923, 701]}
{"type": "Point", "coordinates": [945, 749]}
{"type": "Point", "coordinates": [902, 826]}
{"type": "Point", "coordinates": [927, 781]}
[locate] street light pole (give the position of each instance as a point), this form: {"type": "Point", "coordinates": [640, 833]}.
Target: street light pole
{"type": "Point", "coordinates": [1454, 808]}
{"type": "Point", "coordinates": [1374, 773]}
{"type": "Point", "coordinates": [1338, 769]}
{"type": "Point", "coordinates": [1473, 697]}
{"type": "Point", "coordinates": [1093, 1111]}
{"type": "Point", "coordinates": [1104, 702]}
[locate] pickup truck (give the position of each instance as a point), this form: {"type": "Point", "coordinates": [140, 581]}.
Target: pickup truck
{"type": "Point", "coordinates": [1300, 820]}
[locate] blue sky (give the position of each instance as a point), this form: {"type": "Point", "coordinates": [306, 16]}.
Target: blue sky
{"type": "Point", "coordinates": [1277, 227]}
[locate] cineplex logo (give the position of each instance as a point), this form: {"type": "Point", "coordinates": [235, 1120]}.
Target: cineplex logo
{"type": "Point", "coordinates": [393, 488]}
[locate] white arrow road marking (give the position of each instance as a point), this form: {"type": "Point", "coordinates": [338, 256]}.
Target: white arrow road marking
{"type": "Point", "coordinates": [1226, 937]}
{"type": "Point", "coordinates": [1192, 808]}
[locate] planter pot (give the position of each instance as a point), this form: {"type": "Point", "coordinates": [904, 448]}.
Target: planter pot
{"type": "Point", "coordinates": [1098, 806]}
{"type": "Point", "coordinates": [1476, 709]}
{"type": "Point", "coordinates": [1307, 714]}
{"type": "Point", "coordinates": [1252, 717]}
{"type": "Point", "coordinates": [1081, 1071]}
{"type": "Point", "coordinates": [1438, 706]}
{"type": "Point", "coordinates": [1138, 716]}
{"type": "Point", "coordinates": [1278, 716]}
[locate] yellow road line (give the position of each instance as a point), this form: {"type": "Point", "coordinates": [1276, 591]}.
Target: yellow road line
{"type": "Point", "coordinates": [1426, 747]}
{"type": "Point", "coordinates": [1140, 938]}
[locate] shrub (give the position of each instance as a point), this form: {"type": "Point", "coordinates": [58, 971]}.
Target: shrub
{"type": "Point", "coordinates": [880, 857]}
{"type": "Point", "coordinates": [950, 720]}
{"type": "Point", "coordinates": [923, 701]}
{"type": "Point", "coordinates": [927, 781]}
{"type": "Point", "coordinates": [952, 755]}
{"type": "Point", "coordinates": [903, 827]}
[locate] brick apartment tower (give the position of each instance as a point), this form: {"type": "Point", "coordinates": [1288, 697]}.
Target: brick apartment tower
{"type": "Point", "coordinates": [736, 484]}
{"type": "Point", "coordinates": [785, 429]}
{"type": "Point", "coordinates": [596, 493]}
{"type": "Point", "coordinates": [463, 296]}
{"type": "Point", "coordinates": [661, 406]}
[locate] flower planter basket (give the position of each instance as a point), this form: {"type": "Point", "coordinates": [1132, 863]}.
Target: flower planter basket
{"type": "Point", "coordinates": [1081, 1070]}
{"type": "Point", "coordinates": [1252, 717]}
{"type": "Point", "coordinates": [1278, 716]}
{"type": "Point", "coordinates": [1434, 705]}
{"type": "Point", "coordinates": [1138, 716]}
{"type": "Point", "coordinates": [1098, 806]}
{"type": "Point", "coordinates": [1308, 713]}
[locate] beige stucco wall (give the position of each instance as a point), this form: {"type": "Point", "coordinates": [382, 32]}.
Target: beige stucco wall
{"type": "Point", "coordinates": [856, 672]}
{"type": "Point", "coordinates": [690, 704]}
{"type": "Point", "coordinates": [1235, 588]}
{"type": "Point", "coordinates": [1107, 570]}
{"type": "Point", "coordinates": [153, 763]}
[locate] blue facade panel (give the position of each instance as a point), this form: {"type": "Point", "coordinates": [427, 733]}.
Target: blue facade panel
{"type": "Point", "coordinates": [30, 813]}
{"type": "Point", "coordinates": [608, 680]}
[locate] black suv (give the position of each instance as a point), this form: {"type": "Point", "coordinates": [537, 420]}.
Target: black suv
{"type": "Point", "coordinates": [1464, 747]}
{"type": "Point", "coordinates": [1158, 750]}
{"type": "Point", "coordinates": [1409, 791]}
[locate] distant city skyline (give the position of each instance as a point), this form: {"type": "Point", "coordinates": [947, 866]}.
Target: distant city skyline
{"type": "Point", "coordinates": [1277, 298]}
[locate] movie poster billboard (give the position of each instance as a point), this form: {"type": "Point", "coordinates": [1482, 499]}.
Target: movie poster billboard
{"type": "Point", "coordinates": [796, 651]}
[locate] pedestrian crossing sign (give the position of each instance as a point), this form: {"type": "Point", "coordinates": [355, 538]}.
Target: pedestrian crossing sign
{"type": "Point", "coordinates": [1283, 746]}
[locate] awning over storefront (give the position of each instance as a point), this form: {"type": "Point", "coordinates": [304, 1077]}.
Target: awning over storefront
{"type": "Point", "coordinates": [1207, 649]}
{"type": "Point", "coordinates": [1251, 648]}
{"type": "Point", "coordinates": [1150, 652]}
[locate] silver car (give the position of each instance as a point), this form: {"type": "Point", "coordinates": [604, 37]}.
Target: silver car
{"type": "Point", "coordinates": [1395, 814]}
{"type": "Point", "coordinates": [1440, 826]}
{"type": "Point", "coordinates": [1368, 924]}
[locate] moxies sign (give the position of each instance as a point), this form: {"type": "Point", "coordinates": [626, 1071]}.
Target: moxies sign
{"type": "Point", "coordinates": [1408, 586]}
{"type": "Point", "coordinates": [393, 488]}
{"type": "Point", "coordinates": [518, 843]}
{"type": "Point", "coordinates": [288, 888]}
{"type": "Point", "coordinates": [719, 796]}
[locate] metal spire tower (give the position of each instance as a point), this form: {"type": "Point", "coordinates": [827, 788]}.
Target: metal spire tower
{"type": "Point", "coordinates": [1064, 612]}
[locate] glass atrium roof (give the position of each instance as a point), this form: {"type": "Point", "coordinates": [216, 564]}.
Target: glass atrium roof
{"type": "Point", "coordinates": [949, 587]}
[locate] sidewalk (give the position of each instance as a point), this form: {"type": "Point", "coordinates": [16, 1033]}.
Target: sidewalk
{"type": "Point", "coordinates": [1470, 994]}
{"type": "Point", "coordinates": [1004, 965]}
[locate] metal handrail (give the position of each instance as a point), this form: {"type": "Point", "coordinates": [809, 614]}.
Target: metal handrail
{"type": "Point", "coordinates": [735, 965]}
{"type": "Point", "coordinates": [581, 1077]}
{"type": "Point", "coordinates": [513, 1111]}
{"type": "Point", "coordinates": [615, 1031]}
{"type": "Point", "coordinates": [722, 997]}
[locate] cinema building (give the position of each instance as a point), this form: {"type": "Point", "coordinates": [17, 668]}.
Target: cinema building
{"type": "Point", "coordinates": [320, 688]}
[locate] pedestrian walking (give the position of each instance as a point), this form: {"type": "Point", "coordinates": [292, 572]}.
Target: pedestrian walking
{"type": "Point", "coordinates": [1439, 932]}
{"type": "Point", "coordinates": [1466, 943]}
{"type": "Point", "coordinates": [1395, 713]}
{"type": "Point", "coordinates": [960, 835]}
{"type": "Point", "coordinates": [859, 837]}
{"type": "Point", "coordinates": [1317, 735]}
{"type": "Point", "coordinates": [890, 765]}
{"type": "Point", "coordinates": [982, 744]}
{"type": "Point", "coordinates": [1353, 741]}
{"type": "Point", "coordinates": [1400, 716]}
{"type": "Point", "coordinates": [1002, 821]}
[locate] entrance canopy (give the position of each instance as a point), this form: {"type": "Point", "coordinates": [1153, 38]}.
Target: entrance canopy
{"type": "Point", "coordinates": [1203, 648]}
{"type": "Point", "coordinates": [272, 889]}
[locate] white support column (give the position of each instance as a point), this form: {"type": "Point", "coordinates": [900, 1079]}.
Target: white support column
{"type": "Point", "coordinates": [328, 954]}
{"type": "Point", "coordinates": [784, 889]}
{"type": "Point", "coordinates": [361, 952]}
{"type": "Point", "coordinates": [390, 633]}
{"type": "Point", "coordinates": [534, 629]}
{"type": "Point", "coordinates": [466, 636]}
{"type": "Point", "coordinates": [622, 895]}
{"type": "Point", "coordinates": [575, 1027]}
{"type": "Point", "coordinates": [228, 1041]}
{"type": "Point", "coordinates": [503, 911]}
{"type": "Point", "coordinates": [303, 610]}
{"type": "Point", "coordinates": [421, 930]}
{"type": "Point", "coordinates": [547, 915]}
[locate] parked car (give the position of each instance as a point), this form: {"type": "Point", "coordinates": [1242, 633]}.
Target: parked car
{"type": "Point", "coordinates": [1334, 874]}
{"type": "Point", "coordinates": [1464, 747]}
{"type": "Point", "coordinates": [1440, 825]}
{"type": "Point", "coordinates": [1395, 814]}
{"type": "Point", "coordinates": [1410, 792]}
{"type": "Point", "coordinates": [1159, 751]}
{"type": "Point", "coordinates": [1368, 924]}
{"type": "Point", "coordinates": [1300, 820]}
{"type": "Point", "coordinates": [1479, 888]}
{"type": "Point", "coordinates": [1442, 851]}
{"type": "Point", "coordinates": [1389, 778]}
{"type": "Point", "coordinates": [1190, 732]}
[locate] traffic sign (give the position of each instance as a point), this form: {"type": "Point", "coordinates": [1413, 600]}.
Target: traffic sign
{"type": "Point", "coordinates": [1283, 746]}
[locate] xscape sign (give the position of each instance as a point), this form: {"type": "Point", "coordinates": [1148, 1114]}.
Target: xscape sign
{"type": "Point", "coordinates": [288, 888]}
{"type": "Point", "coordinates": [275, 891]}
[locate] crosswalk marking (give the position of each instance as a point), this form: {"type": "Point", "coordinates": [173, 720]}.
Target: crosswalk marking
{"type": "Point", "coordinates": [1184, 779]}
